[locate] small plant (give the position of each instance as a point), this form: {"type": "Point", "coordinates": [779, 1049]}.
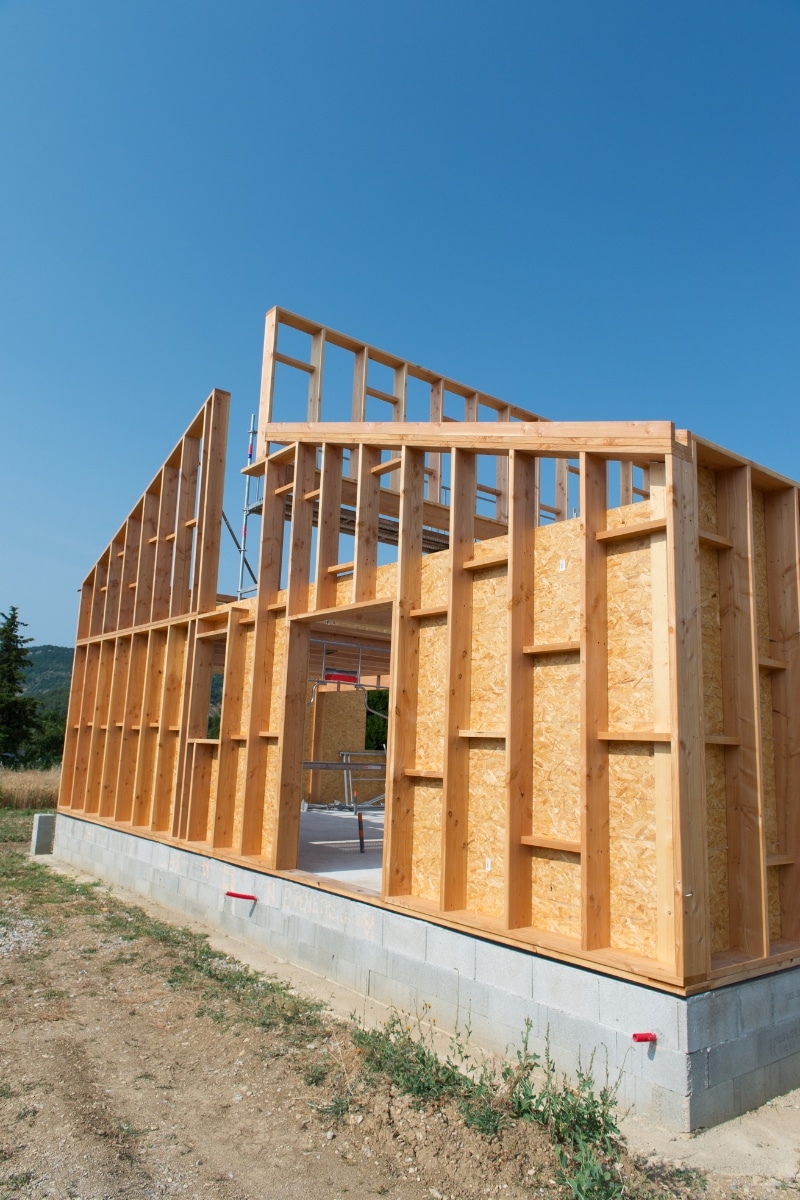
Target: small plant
{"type": "Point", "coordinates": [315, 1075]}
{"type": "Point", "coordinates": [587, 1177]}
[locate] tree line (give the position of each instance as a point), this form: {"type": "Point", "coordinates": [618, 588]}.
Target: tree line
{"type": "Point", "coordinates": [31, 735]}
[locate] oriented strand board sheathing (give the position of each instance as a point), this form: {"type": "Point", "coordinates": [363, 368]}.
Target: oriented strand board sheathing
{"type": "Point", "coordinates": [630, 635]}
{"type": "Point", "coordinates": [707, 499]}
{"type": "Point", "coordinates": [435, 578]}
{"type": "Point", "coordinates": [712, 640]}
{"type": "Point", "coordinates": [214, 776]}
{"type": "Point", "coordinates": [486, 828]}
{"type": "Point", "coordinates": [270, 801]}
{"type": "Point", "coordinates": [239, 775]}
{"type": "Point", "coordinates": [632, 847]}
{"type": "Point", "coordinates": [774, 902]}
{"type": "Point", "coordinates": [488, 675]}
{"type": "Point", "coordinates": [717, 824]}
{"type": "Point", "coordinates": [426, 841]}
{"type": "Point", "coordinates": [760, 568]}
{"type": "Point", "coordinates": [556, 892]}
{"type": "Point", "coordinates": [557, 589]}
{"type": "Point", "coordinates": [340, 721]}
{"type": "Point", "coordinates": [386, 580]}
{"type": "Point", "coordinates": [431, 676]}
{"type": "Point", "coordinates": [556, 746]}
{"type": "Point", "coordinates": [490, 548]}
{"type": "Point", "coordinates": [629, 514]}
{"type": "Point", "coordinates": [768, 762]}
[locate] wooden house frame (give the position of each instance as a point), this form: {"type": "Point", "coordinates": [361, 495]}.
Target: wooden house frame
{"type": "Point", "coordinates": [592, 743]}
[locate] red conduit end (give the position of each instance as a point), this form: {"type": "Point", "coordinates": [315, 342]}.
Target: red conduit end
{"type": "Point", "coordinates": [644, 1037]}
{"type": "Point", "coordinates": [245, 896]}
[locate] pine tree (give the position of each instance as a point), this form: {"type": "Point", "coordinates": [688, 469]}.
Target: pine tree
{"type": "Point", "coordinates": [18, 713]}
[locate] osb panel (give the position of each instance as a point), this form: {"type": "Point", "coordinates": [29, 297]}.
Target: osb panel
{"type": "Point", "coordinates": [340, 724]}
{"type": "Point", "coordinates": [270, 800]}
{"type": "Point", "coordinates": [490, 548]}
{"type": "Point", "coordinates": [557, 746]}
{"type": "Point", "coordinates": [386, 582]}
{"type": "Point", "coordinates": [557, 592]}
{"type": "Point", "coordinates": [426, 841]}
{"type": "Point", "coordinates": [717, 825]}
{"type": "Point", "coordinates": [276, 688]}
{"type": "Point", "coordinates": [435, 578]}
{"type": "Point", "coordinates": [707, 498]}
{"type": "Point", "coordinates": [712, 640]}
{"type": "Point", "coordinates": [486, 829]}
{"type": "Point", "coordinates": [488, 674]}
{"type": "Point", "coordinates": [760, 567]}
{"type": "Point", "coordinates": [239, 776]}
{"type": "Point", "coordinates": [632, 848]}
{"type": "Point", "coordinates": [556, 892]}
{"type": "Point", "coordinates": [247, 680]}
{"type": "Point", "coordinates": [768, 762]}
{"type": "Point", "coordinates": [429, 754]}
{"type": "Point", "coordinates": [774, 902]}
{"type": "Point", "coordinates": [212, 792]}
{"type": "Point", "coordinates": [630, 635]}
{"type": "Point", "coordinates": [310, 715]}
{"type": "Point", "coordinates": [628, 514]}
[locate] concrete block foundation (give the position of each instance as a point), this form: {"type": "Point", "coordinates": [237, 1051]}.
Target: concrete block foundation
{"type": "Point", "coordinates": [718, 1053]}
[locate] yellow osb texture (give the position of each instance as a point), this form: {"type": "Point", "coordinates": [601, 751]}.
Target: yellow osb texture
{"type": "Point", "coordinates": [768, 761]}
{"type": "Point", "coordinates": [632, 848]}
{"type": "Point", "coordinates": [760, 568]}
{"type": "Point", "coordinates": [486, 829]}
{"type": "Point", "coordinates": [488, 677]}
{"type": "Point", "coordinates": [426, 841]}
{"type": "Point", "coordinates": [628, 514]}
{"type": "Point", "coordinates": [556, 892]}
{"type": "Point", "coordinates": [431, 694]}
{"type": "Point", "coordinates": [557, 592]}
{"type": "Point", "coordinates": [386, 580]}
{"type": "Point", "coordinates": [435, 579]}
{"type": "Point", "coordinates": [712, 641]}
{"type": "Point", "coordinates": [340, 721]}
{"type": "Point", "coordinates": [270, 800]}
{"type": "Point", "coordinates": [490, 548]}
{"type": "Point", "coordinates": [774, 902]}
{"type": "Point", "coordinates": [717, 826]}
{"type": "Point", "coordinates": [212, 792]}
{"type": "Point", "coordinates": [557, 747]}
{"type": "Point", "coordinates": [630, 636]}
{"type": "Point", "coordinates": [238, 773]}
{"type": "Point", "coordinates": [707, 498]}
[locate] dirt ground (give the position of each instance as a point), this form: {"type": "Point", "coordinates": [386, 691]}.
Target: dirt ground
{"type": "Point", "coordinates": [122, 1074]}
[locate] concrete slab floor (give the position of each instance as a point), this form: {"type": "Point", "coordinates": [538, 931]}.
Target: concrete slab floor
{"type": "Point", "coordinates": [329, 847]}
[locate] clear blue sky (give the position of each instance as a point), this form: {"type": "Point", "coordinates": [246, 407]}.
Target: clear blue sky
{"type": "Point", "coordinates": [591, 208]}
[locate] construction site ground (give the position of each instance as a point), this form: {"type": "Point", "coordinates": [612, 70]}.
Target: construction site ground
{"type": "Point", "coordinates": [122, 1075]}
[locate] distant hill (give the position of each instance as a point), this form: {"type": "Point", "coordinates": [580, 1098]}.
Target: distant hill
{"type": "Point", "coordinates": [49, 676]}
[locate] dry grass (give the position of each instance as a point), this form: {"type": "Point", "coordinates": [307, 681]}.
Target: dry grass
{"type": "Point", "coordinates": [29, 789]}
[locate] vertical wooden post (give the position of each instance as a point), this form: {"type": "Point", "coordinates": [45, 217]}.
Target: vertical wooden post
{"type": "Point", "coordinates": [147, 559]}
{"type": "Point", "coordinates": [595, 879]}
{"type": "Point", "coordinates": [435, 458]}
{"type": "Point", "coordinates": [184, 531]}
{"type": "Point", "coordinates": [368, 504]}
{"type": "Point", "coordinates": [130, 563]}
{"type": "Point", "coordinates": [269, 576]}
{"type": "Point", "coordinates": [315, 378]}
{"type": "Point", "coordinates": [561, 501]}
{"type": "Point", "coordinates": [783, 565]}
{"type": "Point", "coordinates": [501, 473]}
{"type": "Point", "coordinates": [113, 584]}
{"type": "Point", "coordinates": [522, 515]}
{"type": "Point", "coordinates": [295, 667]}
{"type": "Point", "coordinates": [746, 859]}
{"type": "Point", "coordinates": [691, 952]}
{"type": "Point", "coordinates": [165, 543]}
{"type": "Point", "coordinates": [209, 519]}
{"type": "Point", "coordinates": [116, 709]}
{"type": "Point", "coordinates": [400, 747]}
{"type": "Point", "coordinates": [267, 381]}
{"type": "Point", "coordinates": [330, 503]}
{"type": "Point", "coordinates": [229, 723]}
{"type": "Point", "coordinates": [455, 786]}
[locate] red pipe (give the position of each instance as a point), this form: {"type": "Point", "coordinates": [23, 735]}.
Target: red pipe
{"type": "Point", "coordinates": [644, 1037]}
{"type": "Point", "coordinates": [244, 896]}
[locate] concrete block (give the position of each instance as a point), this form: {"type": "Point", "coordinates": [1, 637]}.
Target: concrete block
{"type": "Point", "coordinates": [449, 949]}
{"type": "Point", "coordinates": [392, 993]}
{"type": "Point", "coordinates": [404, 935]}
{"type": "Point", "coordinates": [362, 921]}
{"type": "Point", "coordinates": [755, 1005]}
{"type": "Point", "coordinates": [569, 990]}
{"type": "Point", "coordinates": [630, 1009]}
{"type": "Point", "coordinates": [511, 1011]}
{"type": "Point", "coordinates": [750, 1091]}
{"type": "Point", "coordinates": [786, 995]}
{"type": "Point", "coordinates": [504, 968]}
{"type": "Point", "coordinates": [711, 1106]}
{"type": "Point", "coordinates": [713, 1017]}
{"type": "Point", "coordinates": [431, 984]}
